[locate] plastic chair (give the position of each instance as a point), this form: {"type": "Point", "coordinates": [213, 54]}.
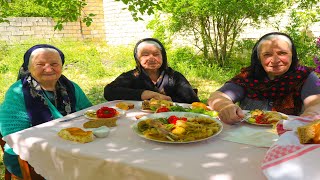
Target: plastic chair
{"type": "Point", "coordinates": [28, 172]}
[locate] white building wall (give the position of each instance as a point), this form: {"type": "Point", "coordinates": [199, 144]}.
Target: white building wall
{"type": "Point", "coordinates": [120, 27]}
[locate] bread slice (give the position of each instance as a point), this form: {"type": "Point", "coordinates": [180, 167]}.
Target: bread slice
{"type": "Point", "coordinates": [125, 105]}
{"type": "Point", "coordinates": [109, 122]}
{"type": "Point", "coordinates": [309, 133]}
{"type": "Point", "coordinates": [76, 134]}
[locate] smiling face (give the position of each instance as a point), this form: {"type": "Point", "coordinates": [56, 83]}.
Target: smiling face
{"type": "Point", "coordinates": [46, 67]}
{"type": "Point", "coordinates": [275, 56]}
{"type": "Point", "coordinates": [150, 57]}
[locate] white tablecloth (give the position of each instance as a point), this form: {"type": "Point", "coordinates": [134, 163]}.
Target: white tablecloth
{"type": "Point", "coordinates": [125, 155]}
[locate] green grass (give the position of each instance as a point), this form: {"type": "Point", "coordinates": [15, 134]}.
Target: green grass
{"type": "Point", "coordinates": [92, 65]}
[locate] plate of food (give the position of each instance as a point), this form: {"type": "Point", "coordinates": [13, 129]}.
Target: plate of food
{"type": "Point", "coordinates": [195, 107]}
{"type": "Point", "coordinates": [153, 104]}
{"type": "Point", "coordinates": [104, 116]}
{"type": "Point", "coordinates": [177, 127]}
{"type": "Point", "coordinates": [104, 112]}
{"type": "Point", "coordinates": [264, 118]}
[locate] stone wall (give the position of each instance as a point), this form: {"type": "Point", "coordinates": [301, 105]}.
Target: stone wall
{"type": "Point", "coordinates": [23, 28]}
{"type": "Point", "coordinates": [96, 31]}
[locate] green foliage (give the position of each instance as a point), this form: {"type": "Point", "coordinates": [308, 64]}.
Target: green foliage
{"type": "Point", "coordinates": [308, 4]}
{"type": "Point", "coordinates": [22, 8]}
{"type": "Point", "coordinates": [215, 24]}
{"type": "Point", "coordinates": [65, 11]}
{"type": "Point", "coordinates": [3, 67]}
{"type": "Point", "coordinates": [62, 11]}
{"type": "Point", "coordinates": [159, 30]}
{"type": "Point", "coordinates": [3, 11]}
{"type": "Point", "coordinates": [242, 51]}
{"type": "Point", "coordinates": [304, 40]}
{"type": "Point", "coordinates": [140, 7]}
{"type": "Point", "coordinates": [187, 62]}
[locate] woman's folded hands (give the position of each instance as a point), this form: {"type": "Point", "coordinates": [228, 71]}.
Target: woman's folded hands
{"type": "Point", "coordinates": [147, 94]}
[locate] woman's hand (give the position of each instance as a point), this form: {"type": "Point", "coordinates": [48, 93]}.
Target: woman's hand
{"type": "Point", "coordinates": [151, 94]}
{"type": "Point", "coordinates": [231, 114]}
{"type": "Point", "coordinates": [311, 105]}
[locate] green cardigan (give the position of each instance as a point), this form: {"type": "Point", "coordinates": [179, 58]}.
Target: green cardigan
{"type": "Point", "coordinates": [13, 112]}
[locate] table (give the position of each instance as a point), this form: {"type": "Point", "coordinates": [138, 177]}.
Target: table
{"type": "Point", "coordinates": [125, 155]}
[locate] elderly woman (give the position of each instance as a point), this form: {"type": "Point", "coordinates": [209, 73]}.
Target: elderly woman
{"type": "Point", "coordinates": [40, 95]}
{"type": "Point", "coordinates": [273, 81]}
{"type": "Point", "coordinates": [152, 78]}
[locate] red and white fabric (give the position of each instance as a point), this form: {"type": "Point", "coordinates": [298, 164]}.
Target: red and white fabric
{"type": "Point", "coordinates": [289, 159]}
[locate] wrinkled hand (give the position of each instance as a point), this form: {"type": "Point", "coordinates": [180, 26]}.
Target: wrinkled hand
{"type": "Point", "coordinates": [231, 114]}
{"type": "Point", "coordinates": [151, 94]}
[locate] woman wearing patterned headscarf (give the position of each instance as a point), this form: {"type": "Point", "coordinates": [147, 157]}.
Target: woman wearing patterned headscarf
{"type": "Point", "coordinates": [273, 81]}
{"type": "Point", "coordinates": [152, 78]}
{"type": "Point", "coordinates": [41, 94]}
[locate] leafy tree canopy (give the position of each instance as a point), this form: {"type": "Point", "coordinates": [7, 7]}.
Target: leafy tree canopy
{"type": "Point", "coordinates": [215, 24]}
{"type": "Point", "coordinates": [61, 11]}
{"type": "Point", "coordinates": [140, 7]}
{"type": "Point", "coordinates": [67, 10]}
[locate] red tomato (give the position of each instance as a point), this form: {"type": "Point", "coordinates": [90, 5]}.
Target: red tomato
{"type": "Point", "coordinates": [162, 109]}
{"type": "Point", "coordinates": [183, 118]}
{"type": "Point", "coordinates": [106, 112]}
{"type": "Point", "coordinates": [260, 120]}
{"type": "Point", "coordinates": [174, 119]}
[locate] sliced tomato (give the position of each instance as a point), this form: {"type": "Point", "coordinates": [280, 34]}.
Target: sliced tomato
{"type": "Point", "coordinates": [162, 109]}
{"type": "Point", "coordinates": [106, 112]}
{"type": "Point", "coordinates": [183, 118]}
{"type": "Point", "coordinates": [260, 119]}
{"type": "Point", "coordinates": [174, 119]}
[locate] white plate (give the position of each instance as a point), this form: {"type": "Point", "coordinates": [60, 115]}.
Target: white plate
{"type": "Point", "coordinates": [121, 112]}
{"type": "Point", "coordinates": [179, 114]}
{"type": "Point", "coordinates": [248, 115]}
